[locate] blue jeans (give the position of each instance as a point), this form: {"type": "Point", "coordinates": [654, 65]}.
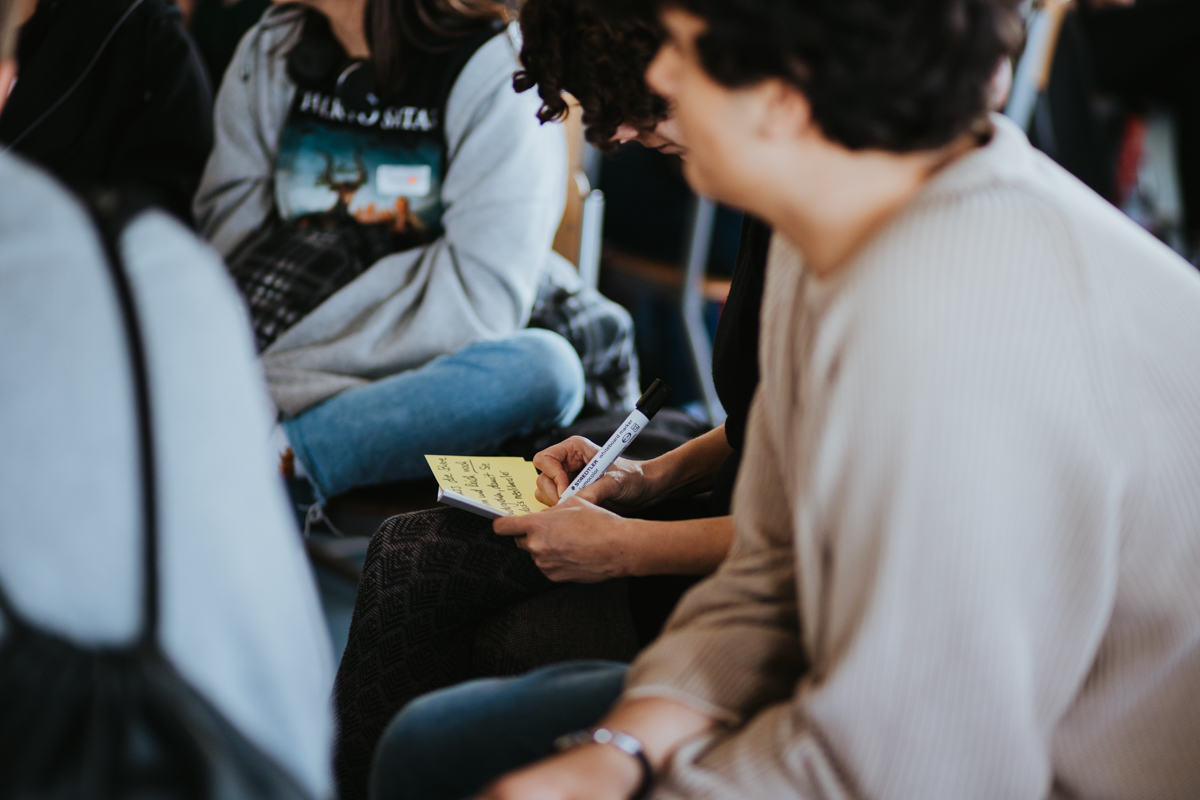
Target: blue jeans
{"type": "Point", "coordinates": [451, 743]}
{"type": "Point", "coordinates": [464, 403]}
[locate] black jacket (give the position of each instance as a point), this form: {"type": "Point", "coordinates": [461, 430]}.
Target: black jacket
{"type": "Point", "coordinates": [112, 92]}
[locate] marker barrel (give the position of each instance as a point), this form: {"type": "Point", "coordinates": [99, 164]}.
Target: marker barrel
{"type": "Point", "coordinates": [647, 406]}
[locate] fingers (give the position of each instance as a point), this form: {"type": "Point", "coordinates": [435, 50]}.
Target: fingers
{"type": "Point", "coordinates": [547, 492]}
{"type": "Point", "coordinates": [512, 526]}
{"type": "Point", "coordinates": [574, 541]}
{"type": "Point", "coordinates": [517, 788]}
{"type": "Point", "coordinates": [596, 492]}
{"type": "Point", "coordinates": [562, 461]}
{"type": "Point", "coordinates": [536, 534]}
{"type": "Point", "coordinates": [594, 773]}
{"type": "Point", "coordinates": [547, 562]}
{"type": "Point", "coordinates": [552, 464]}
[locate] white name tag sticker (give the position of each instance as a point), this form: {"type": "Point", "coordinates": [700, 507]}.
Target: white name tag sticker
{"type": "Point", "coordinates": [403, 180]}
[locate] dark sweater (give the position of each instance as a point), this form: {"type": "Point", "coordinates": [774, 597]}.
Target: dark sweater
{"type": "Point", "coordinates": [735, 350]}
{"type": "Point", "coordinates": [140, 117]}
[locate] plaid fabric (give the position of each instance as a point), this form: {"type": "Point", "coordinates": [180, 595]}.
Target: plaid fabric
{"type": "Point", "coordinates": [601, 333]}
{"type": "Point", "coordinates": [288, 269]}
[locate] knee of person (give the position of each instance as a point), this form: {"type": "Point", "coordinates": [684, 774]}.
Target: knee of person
{"type": "Point", "coordinates": [406, 749]}
{"type": "Point", "coordinates": [554, 375]}
{"type": "Point", "coordinates": [403, 737]}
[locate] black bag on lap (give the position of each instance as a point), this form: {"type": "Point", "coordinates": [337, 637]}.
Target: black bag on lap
{"type": "Point", "coordinates": [119, 721]}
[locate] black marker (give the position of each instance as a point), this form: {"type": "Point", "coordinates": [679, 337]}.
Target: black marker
{"type": "Point", "coordinates": [647, 406]}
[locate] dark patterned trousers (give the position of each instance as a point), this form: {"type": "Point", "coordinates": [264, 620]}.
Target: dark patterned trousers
{"type": "Point", "coordinates": [428, 581]}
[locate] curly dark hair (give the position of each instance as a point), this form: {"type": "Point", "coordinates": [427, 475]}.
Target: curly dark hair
{"type": "Point", "coordinates": [897, 75]}
{"type": "Point", "coordinates": [572, 46]}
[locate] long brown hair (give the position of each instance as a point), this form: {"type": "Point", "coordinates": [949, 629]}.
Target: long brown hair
{"type": "Point", "coordinates": [397, 30]}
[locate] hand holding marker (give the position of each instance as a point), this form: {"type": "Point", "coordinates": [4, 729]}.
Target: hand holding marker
{"type": "Point", "coordinates": [645, 409]}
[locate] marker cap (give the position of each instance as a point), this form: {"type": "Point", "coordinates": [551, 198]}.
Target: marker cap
{"type": "Point", "coordinates": [655, 398]}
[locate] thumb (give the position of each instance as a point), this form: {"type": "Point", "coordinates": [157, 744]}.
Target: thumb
{"type": "Point", "coordinates": [593, 493]}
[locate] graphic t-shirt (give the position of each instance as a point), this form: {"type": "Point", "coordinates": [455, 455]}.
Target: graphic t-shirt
{"type": "Point", "coordinates": [347, 152]}
{"type": "Point", "coordinates": [357, 177]}
{"type": "Point", "coordinates": [378, 164]}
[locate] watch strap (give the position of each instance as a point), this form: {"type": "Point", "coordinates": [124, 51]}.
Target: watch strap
{"type": "Point", "coordinates": [630, 745]}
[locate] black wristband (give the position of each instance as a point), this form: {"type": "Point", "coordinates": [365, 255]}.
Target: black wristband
{"type": "Point", "coordinates": [647, 783]}
{"type": "Point", "coordinates": [623, 742]}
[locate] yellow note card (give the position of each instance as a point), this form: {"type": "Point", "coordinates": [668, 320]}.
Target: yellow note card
{"type": "Point", "coordinates": [505, 485]}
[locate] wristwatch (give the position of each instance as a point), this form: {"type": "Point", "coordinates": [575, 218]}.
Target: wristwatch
{"type": "Point", "coordinates": [622, 741]}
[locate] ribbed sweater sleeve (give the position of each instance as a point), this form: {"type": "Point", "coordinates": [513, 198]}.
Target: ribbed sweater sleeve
{"type": "Point", "coordinates": [749, 603]}
{"type": "Point", "coordinates": [938, 440]}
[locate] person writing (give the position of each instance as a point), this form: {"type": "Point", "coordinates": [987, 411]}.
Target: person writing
{"type": "Point", "coordinates": [967, 536]}
{"type": "Point", "coordinates": [455, 563]}
{"type": "Point", "coordinates": [583, 540]}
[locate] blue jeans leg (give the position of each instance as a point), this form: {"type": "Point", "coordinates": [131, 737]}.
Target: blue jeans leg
{"type": "Point", "coordinates": [451, 743]}
{"type": "Point", "coordinates": [464, 403]}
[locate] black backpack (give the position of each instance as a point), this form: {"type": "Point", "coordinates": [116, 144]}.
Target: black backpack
{"type": "Point", "coordinates": [119, 721]}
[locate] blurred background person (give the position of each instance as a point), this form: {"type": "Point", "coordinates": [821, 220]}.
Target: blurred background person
{"type": "Point", "coordinates": [1149, 52]}
{"type": "Point", "coordinates": [673, 522]}
{"type": "Point", "coordinates": [113, 93]}
{"type": "Point", "coordinates": [387, 203]}
{"type": "Point", "coordinates": [240, 619]}
{"type": "Point", "coordinates": [1121, 110]}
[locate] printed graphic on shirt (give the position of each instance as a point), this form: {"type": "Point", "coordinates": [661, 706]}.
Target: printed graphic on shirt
{"type": "Point", "coordinates": [381, 165]}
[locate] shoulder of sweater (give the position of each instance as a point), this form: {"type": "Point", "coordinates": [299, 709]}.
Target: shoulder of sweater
{"type": "Point", "coordinates": [1003, 275]}
{"type": "Point", "coordinates": [36, 209]}
{"type": "Point", "coordinates": [282, 15]}
{"type": "Point", "coordinates": [266, 38]}
{"type": "Point", "coordinates": [1006, 207]}
{"type": "Point", "coordinates": [487, 74]}
{"type": "Point", "coordinates": [34, 206]}
{"type": "Point", "coordinates": [1012, 184]}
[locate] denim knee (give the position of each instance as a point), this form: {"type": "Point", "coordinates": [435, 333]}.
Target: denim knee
{"type": "Point", "coordinates": [419, 756]}
{"type": "Point", "coordinates": [402, 752]}
{"type": "Point", "coordinates": [551, 373]}
{"type": "Point", "coordinates": [448, 744]}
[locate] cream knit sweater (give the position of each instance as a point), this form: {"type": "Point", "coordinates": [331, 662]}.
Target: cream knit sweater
{"type": "Point", "coordinates": [968, 551]}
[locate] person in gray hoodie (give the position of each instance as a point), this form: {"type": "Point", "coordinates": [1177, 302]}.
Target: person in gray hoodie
{"type": "Point", "coordinates": [387, 204]}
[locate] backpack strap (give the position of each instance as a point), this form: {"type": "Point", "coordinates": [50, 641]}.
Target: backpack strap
{"type": "Point", "coordinates": [111, 210]}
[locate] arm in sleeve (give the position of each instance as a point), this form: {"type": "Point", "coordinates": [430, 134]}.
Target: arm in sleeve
{"type": "Point", "coordinates": [236, 193]}
{"type": "Point", "coordinates": [733, 644]}
{"type": "Point", "coordinates": [504, 195]}
{"type": "Point", "coordinates": [956, 545]}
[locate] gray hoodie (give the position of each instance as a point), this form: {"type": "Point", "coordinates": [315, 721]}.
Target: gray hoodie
{"type": "Point", "coordinates": [240, 615]}
{"type": "Point", "coordinates": [503, 194]}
